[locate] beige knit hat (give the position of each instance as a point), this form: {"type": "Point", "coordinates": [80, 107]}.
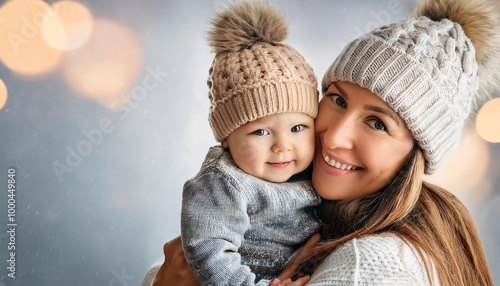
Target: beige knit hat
{"type": "Point", "coordinates": [253, 75]}
{"type": "Point", "coordinates": [426, 69]}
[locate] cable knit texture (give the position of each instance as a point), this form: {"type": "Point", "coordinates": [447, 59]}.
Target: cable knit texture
{"type": "Point", "coordinates": [373, 260]}
{"type": "Point", "coordinates": [425, 70]}
{"type": "Point", "coordinates": [240, 230]}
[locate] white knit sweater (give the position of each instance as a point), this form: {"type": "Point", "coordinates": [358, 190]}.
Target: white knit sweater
{"type": "Point", "coordinates": [383, 259]}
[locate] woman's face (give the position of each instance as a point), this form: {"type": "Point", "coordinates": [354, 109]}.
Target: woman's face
{"type": "Point", "coordinates": [361, 143]}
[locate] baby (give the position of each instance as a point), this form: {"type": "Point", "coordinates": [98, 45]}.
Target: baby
{"type": "Point", "coordinates": [252, 205]}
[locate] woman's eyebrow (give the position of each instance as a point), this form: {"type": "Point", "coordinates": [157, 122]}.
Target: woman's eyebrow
{"type": "Point", "coordinates": [387, 112]}
{"type": "Point", "coordinates": [342, 92]}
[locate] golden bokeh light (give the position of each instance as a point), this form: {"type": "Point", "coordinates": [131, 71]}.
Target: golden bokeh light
{"type": "Point", "coordinates": [107, 65]}
{"type": "Point", "coordinates": [23, 48]}
{"type": "Point", "coordinates": [76, 28]}
{"type": "Point", "coordinates": [488, 121]}
{"type": "Point", "coordinates": [463, 173]}
{"type": "Point", "coordinates": [3, 94]}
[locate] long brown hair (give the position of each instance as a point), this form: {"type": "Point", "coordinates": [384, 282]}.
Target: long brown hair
{"type": "Point", "coordinates": [429, 217]}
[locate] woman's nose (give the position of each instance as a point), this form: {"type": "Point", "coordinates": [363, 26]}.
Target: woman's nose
{"type": "Point", "coordinates": [339, 134]}
{"type": "Point", "coordinates": [282, 144]}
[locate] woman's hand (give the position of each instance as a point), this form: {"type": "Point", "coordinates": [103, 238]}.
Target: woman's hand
{"type": "Point", "coordinates": [174, 271]}
{"type": "Point", "coordinates": [284, 278]}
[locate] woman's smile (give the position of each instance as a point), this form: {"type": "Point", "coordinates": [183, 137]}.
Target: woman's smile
{"type": "Point", "coordinates": [337, 163]}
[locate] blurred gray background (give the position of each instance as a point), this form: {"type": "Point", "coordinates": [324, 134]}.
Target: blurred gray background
{"type": "Point", "coordinates": [104, 126]}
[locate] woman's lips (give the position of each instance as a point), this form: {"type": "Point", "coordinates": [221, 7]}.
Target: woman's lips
{"type": "Point", "coordinates": [280, 164]}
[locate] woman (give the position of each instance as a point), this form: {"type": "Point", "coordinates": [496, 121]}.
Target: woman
{"type": "Point", "coordinates": [412, 80]}
{"type": "Point", "coordinates": [396, 101]}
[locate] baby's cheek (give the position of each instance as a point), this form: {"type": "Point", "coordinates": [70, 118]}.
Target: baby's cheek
{"type": "Point", "coordinates": [309, 148]}
{"type": "Point", "coordinates": [248, 153]}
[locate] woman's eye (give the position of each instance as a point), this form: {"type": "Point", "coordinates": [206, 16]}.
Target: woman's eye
{"type": "Point", "coordinates": [298, 128]}
{"type": "Point", "coordinates": [338, 100]}
{"type": "Point", "coordinates": [260, 132]}
{"type": "Point", "coordinates": [377, 124]}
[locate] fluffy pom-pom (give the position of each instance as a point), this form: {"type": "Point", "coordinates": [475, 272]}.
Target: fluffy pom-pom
{"type": "Point", "coordinates": [480, 20]}
{"type": "Point", "coordinates": [245, 23]}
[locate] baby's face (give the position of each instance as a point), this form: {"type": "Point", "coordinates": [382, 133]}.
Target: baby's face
{"type": "Point", "coordinates": [274, 147]}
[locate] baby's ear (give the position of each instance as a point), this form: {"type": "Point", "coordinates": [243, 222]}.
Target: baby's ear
{"type": "Point", "coordinates": [224, 144]}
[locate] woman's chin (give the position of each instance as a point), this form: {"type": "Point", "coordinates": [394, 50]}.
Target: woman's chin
{"type": "Point", "coordinates": [325, 186]}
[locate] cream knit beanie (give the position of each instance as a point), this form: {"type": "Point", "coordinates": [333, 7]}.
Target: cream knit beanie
{"type": "Point", "coordinates": [253, 75]}
{"type": "Point", "coordinates": [426, 69]}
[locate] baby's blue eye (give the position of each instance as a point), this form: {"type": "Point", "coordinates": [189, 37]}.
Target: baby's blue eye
{"type": "Point", "coordinates": [298, 128]}
{"type": "Point", "coordinates": [260, 132]}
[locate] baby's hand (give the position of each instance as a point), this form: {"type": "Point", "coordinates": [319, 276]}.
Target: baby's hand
{"type": "Point", "coordinates": [288, 282]}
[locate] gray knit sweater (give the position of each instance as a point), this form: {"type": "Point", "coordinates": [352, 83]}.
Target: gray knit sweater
{"type": "Point", "coordinates": [240, 230]}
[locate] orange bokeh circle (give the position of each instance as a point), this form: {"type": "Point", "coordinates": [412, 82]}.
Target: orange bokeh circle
{"type": "Point", "coordinates": [24, 49]}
